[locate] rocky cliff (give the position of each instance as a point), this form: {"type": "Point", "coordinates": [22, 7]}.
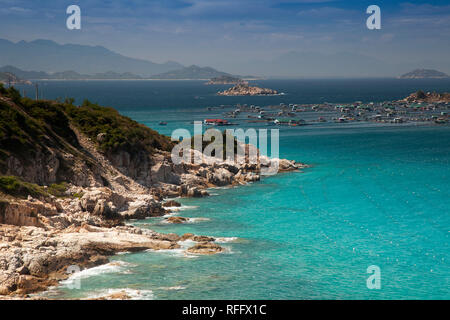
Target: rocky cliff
{"type": "Point", "coordinates": [71, 175]}
{"type": "Point", "coordinates": [11, 79]}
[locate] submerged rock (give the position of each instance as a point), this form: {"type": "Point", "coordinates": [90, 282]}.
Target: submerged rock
{"type": "Point", "coordinates": [177, 220]}
{"type": "Point", "coordinates": [171, 203]}
{"type": "Point", "coordinates": [193, 237]}
{"type": "Point", "coordinates": [205, 248]}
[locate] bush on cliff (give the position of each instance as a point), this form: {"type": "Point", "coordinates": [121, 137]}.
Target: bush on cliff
{"type": "Point", "coordinates": [119, 133]}
{"type": "Point", "coordinates": [49, 124]}
{"type": "Point", "coordinates": [18, 133]}
{"type": "Point", "coordinates": [52, 115]}
{"type": "Point", "coordinates": [16, 187]}
{"type": "Point", "coordinates": [33, 131]}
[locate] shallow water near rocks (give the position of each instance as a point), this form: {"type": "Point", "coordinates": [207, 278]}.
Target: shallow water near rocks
{"type": "Point", "coordinates": [375, 195]}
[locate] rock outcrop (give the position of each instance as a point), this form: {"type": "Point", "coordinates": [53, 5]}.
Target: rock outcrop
{"type": "Point", "coordinates": [428, 97]}
{"type": "Point", "coordinates": [33, 258]}
{"type": "Point", "coordinates": [205, 248]}
{"type": "Point", "coordinates": [177, 220]}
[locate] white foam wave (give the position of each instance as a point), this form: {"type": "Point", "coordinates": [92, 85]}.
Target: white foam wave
{"type": "Point", "coordinates": [133, 294]}
{"type": "Point", "coordinates": [179, 252]}
{"type": "Point", "coordinates": [187, 207]}
{"type": "Point", "coordinates": [195, 220]}
{"type": "Point", "coordinates": [172, 288]}
{"type": "Point", "coordinates": [173, 208]}
{"type": "Point", "coordinates": [226, 239]}
{"type": "Point", "coordinates": [219, 188]}
{"type": "Point", "coordinates": [112, 267]}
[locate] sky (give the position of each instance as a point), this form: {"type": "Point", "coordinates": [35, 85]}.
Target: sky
{"type": "Point", "coordinates": [228, 33]}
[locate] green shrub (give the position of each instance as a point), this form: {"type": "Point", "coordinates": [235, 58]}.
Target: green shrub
{"type": "Point", "coordinates": [51, 114]}
{"type": "Point", "coordinates": [121, 133]}
{"type": "Point", "coordinates": [18, 133]}
{"type": "Point", "coordinates": [58, 189]}
{"type": "Point", "coordinates": [78, 195]}
{"type": "Point", "coordinates": [14, 186]}
{"type": "Point", "coordinates": [11, 92]}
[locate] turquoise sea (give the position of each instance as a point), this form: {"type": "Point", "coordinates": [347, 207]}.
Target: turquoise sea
{"type": "Point", "coordinates": [374, 195]}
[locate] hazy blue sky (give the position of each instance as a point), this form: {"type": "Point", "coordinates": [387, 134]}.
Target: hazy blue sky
{"type": "Point", "coordinates": [221, 33]}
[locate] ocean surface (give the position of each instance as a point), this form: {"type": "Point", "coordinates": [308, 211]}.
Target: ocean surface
{"type": "Point", "coordinates": [375, 195]}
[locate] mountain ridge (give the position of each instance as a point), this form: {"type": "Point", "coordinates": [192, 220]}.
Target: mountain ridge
{"type": "Point", "coordinates": [191, 72]}
{"type": "Point", "coordinates": [50, 56]}
{"type": "Point", "coordinates": [68, 75]}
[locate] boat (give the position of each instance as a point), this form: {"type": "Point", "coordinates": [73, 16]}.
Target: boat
{"type": "Point", "coordinates": [218, 122]}
{"type": "Point", "coordinates": [163, 123]}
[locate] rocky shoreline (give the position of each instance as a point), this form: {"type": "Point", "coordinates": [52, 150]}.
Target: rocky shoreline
{"type": "Point", "coordinates": [41, 238]}
{"type": "Point", "coordinates": [427, 97]}
{"type": "Point", "coordinates": [67, 189]}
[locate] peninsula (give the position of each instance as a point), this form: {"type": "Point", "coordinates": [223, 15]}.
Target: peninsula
{"type": "Point", "coordinates": [191, 73]}
{"type": "Point", "coordinates": [11, 79]}
{"type": "Point", "coordinates": [70, 176]}
{"type": "Point", "coordinates": [226, 80]}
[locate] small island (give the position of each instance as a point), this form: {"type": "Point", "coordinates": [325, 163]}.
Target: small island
{"type": "Point", "coordinates": [424, 74]}
{"type": "Point", "coordinates": [243, 89]}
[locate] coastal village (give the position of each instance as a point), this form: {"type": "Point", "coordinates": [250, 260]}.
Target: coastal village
{"type": "Point", "coordinates": [419, 107]}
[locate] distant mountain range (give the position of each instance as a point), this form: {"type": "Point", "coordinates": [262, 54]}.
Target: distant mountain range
{"type": "Point", "coordinates": [424, 74]}
{"type": "Point", "coordinates": [51, 60]}
{"type": "Point", "coordinates": [49, 56]}
{"type": "Point", "coordinates": [310, 64]}
{"type": "Point", "coordinates": [67, 75]}
{"type": "Point", "coordinates": [192, 72]}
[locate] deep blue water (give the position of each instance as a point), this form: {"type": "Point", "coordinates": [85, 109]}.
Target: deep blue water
{"type": "Point", "coordinates": [375, 195]}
